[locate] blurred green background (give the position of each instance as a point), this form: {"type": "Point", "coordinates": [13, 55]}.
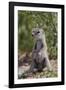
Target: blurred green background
{"type": "Point", "coordinates": [31, 19]}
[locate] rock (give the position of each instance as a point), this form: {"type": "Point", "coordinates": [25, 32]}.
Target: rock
{"type": "Point", "coordinates": [22, 70]}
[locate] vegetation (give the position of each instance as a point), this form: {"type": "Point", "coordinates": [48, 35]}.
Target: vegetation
{"type": "Point", "coordinates": [45, 74]}
{"type": "Point", "coordinates": [31, 19]}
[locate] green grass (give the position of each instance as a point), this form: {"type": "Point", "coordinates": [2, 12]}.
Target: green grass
{"type": "Point", "coordinates": [45, 74]}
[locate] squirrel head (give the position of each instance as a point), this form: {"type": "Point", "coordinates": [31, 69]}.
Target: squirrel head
{"type": "Point", "coordinates": [37, 33]}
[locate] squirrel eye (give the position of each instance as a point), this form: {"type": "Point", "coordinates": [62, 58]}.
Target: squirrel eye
{"type": "Point", "coordinates": [38, 32]}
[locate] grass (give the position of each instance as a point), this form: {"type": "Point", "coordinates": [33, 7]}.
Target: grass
{"type": "Point", "coordinates": [44, 74]}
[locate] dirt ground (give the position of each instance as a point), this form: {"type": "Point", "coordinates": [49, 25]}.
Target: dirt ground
{"type": "Point", "coordinates": [24, 67]}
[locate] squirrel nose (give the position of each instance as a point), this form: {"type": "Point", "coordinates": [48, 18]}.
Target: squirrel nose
{"type": "Point", "coordinates": [32, 34]}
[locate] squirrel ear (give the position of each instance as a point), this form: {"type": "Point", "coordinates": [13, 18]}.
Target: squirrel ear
{"type": "Point", "coordinates": [42, 30]}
